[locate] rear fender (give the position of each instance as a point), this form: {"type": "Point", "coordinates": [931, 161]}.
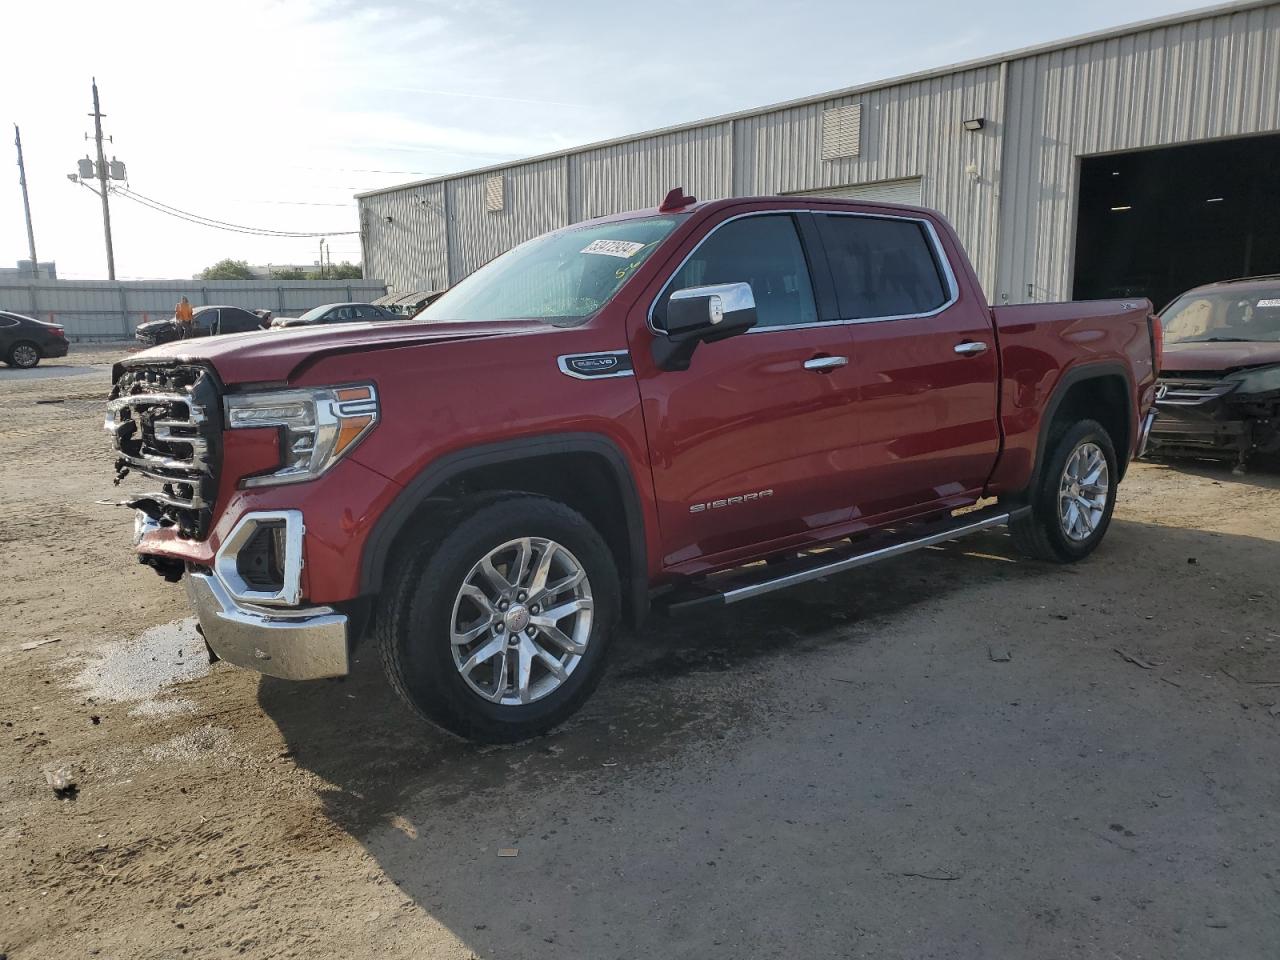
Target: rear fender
{"type": "Point", "coordinates": [1082, 373]}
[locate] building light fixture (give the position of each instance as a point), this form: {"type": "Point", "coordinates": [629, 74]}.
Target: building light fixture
{"type": "Point", "coordinates": [1119, 209]}
{"type": "Point", "coordinates": [974, 124]}
{"type": "Point", "coordinates": [1215, 199]}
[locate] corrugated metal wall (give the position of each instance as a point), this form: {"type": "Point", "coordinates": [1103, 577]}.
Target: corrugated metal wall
{"type": "Point", "coordinates": [628, 176]}
{"type": "Point", "coordinates": [106, 310]}
{"type": "Point", "coordinates": [1009, 188]}
{"type": "Point", "coordinates": [1214, 77]}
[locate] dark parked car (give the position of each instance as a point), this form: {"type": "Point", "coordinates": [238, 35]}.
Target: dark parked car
{"type": "Point", "coordinates": [335, 313]}
{"type": "Point", "coordinates": [205, 322]}
{"type": "Point", "coordinates": [1219, 393]}
{"type": "Point", "coordinates": [24, 340]}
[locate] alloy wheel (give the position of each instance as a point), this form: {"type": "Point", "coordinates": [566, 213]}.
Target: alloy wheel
{"type": "Point", "coordinates": [1083, 491]}
{"type": "Point", "coordinates": [25, 356]}
{"type": "Point", "coordinates": [521, 621]}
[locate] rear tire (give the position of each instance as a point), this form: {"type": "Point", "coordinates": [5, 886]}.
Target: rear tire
{"type": "Point", "coordinates": [1073, 501]}
{"type": "Point", "coordinates": [486, 659]}
{"type": "Point", "coordinates": [24, 355]}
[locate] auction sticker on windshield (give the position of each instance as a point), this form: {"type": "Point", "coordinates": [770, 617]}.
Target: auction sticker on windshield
{"type": "Point", "coordinates": [623, 249]}
{"type": "Point", "coordinates": [1269, 303]}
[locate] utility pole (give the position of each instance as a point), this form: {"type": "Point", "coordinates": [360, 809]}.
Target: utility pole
{"type": "Point", "coordinates": [26, 203]}
{"type": "Point", "coordinates": [320, 267]}
{"type": "Point", "coordinates": [102, 181]}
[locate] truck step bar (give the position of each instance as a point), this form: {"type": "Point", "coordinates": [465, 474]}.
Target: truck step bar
{"type": "Point", "coordinates": [824, 561]}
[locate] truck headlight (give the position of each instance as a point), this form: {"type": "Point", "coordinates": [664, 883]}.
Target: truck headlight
{"type": "Point", "coordinates": [318, 426]}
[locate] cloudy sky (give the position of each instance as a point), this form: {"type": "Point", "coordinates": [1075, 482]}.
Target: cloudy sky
{"type": "Point", "coordinates": [272, 113]}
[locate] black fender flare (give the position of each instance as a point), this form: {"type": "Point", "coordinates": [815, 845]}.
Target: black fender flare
{"type": "Point", "coordinates": [419, 490]}
{"type": "Point", "coordinates": [1092, 370]}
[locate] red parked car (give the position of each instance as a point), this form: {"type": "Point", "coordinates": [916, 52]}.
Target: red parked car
{"type": "Point", "coordinates": [1219, 397]}
{"type": "Point", "coordinates": [625, 413]}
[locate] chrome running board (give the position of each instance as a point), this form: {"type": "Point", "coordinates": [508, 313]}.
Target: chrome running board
{"type": "Point", "coordinates": [757, 580]}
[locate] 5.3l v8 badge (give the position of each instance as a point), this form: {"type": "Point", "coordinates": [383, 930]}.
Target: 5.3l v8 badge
{"type": "Point", "coordinates": [596, 366]}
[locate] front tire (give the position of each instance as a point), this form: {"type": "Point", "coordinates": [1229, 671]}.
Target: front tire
{"type": "Point", "coordinates": [24, 355]}
{"type": "Point", "coordinates": [496, 629]}
{"type": "Point", "coordinates": [1072, 506]}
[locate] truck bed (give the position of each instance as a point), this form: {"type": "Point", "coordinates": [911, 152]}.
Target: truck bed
{"type": "Point", "coordinates": [1043, 345]}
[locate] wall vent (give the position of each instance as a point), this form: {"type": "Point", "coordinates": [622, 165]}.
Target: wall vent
{"type": "Point", "coordinates": [493, 194]}
{"type": "Point", "coordinates": [841, 131]}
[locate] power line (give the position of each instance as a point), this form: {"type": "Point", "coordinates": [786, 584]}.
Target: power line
{"type": "Point", "coordinates": [198, 219]}
{"type": "Point", "coordinates": [411, 173]}
{"type": "Point", "coordinates": [292, 203]}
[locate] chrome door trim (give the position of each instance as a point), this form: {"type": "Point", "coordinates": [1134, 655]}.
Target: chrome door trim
{"type": "Point", "coordinates": [953, 286]}
{"type": "Point", "coordinates": [823, 364]}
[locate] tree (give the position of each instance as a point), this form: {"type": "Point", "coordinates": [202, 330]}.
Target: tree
{"type": "Point", "coordinates": [290, 273]}
{"type": "Point", "coordinates": [227, 270]}
{"type": "Point", "coordinates": [344, 271]}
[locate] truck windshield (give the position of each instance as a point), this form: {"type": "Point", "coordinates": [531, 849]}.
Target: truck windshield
{"type": "Point", "coordinates": [559, 277]}
{"type": "Point", "coordinates": [1222, 316]}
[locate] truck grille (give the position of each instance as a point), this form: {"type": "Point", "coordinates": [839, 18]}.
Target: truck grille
{"type": "Point", "coordinates": [1185, 391]}
{"type": "Point", "coordinates": [165, 423]}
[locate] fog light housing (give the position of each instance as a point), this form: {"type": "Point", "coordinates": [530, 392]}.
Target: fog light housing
{"type": "Point", "coordinates": [260, 561]}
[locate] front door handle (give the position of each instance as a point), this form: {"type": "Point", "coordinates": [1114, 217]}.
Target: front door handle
{"type": "Point", "coordinates": [971, 348]}
{"type": "Point", "coordinates": [825, 364]}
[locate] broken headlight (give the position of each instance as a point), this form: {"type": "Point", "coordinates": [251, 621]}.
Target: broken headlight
{"type": "Point", "coordinates": [318, 426]}
{"type": "Point", "coordinates": [1257, 380]}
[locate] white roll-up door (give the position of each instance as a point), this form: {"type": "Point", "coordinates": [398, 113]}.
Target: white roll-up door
{"type": "Point", "coordinates": [886, 191]}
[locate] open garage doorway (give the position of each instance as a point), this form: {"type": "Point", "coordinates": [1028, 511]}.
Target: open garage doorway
{"type": "Point", "coordinates": [1157, 222]}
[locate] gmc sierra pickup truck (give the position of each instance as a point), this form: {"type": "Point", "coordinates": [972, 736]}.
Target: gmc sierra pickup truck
{"type": "Point", "coordinates": [682, 407]}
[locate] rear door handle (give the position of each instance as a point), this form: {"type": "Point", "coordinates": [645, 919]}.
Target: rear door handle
{"type": "Point", "coordinates": [971, 348]}
{"type": "Point", "coordinates": [825, 364]}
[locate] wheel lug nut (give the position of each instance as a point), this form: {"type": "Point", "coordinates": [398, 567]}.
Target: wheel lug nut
{"type": "Point", "coordinates": [521, 596]}
{"type": "Point", "coordinates": [498, 628]}
{"type": "Point", "coordinates": [534, 608]}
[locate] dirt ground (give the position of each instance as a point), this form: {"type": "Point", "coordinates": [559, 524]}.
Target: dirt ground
{"type": "Point", "coordinates": [957, 754]}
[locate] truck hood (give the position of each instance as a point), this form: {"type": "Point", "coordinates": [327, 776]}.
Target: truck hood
{"type": "Point", "coordinates": [1219, 357]}
{"type": "Point", "coordinates": [272, 356]}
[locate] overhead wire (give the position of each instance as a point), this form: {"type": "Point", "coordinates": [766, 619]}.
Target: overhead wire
{"type": "Point", "coordinates": [200, 220]}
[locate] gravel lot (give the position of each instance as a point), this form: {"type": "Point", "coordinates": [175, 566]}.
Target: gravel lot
{"type": "Point", "coordinates": [957, 754]}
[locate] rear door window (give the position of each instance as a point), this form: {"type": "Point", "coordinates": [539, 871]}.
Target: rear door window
{"type": "Point", "coordinates": [764, 251]}
{"type": "Point", "coordinates": [238, 321]}
{"type": "Point", "coordinates": [882, 267]}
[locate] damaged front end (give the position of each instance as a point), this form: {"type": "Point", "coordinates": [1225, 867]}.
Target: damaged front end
{"type": "Point", "coordinates": [166, 424]}
{"type": "Point", "coordinates": [1211, 415]}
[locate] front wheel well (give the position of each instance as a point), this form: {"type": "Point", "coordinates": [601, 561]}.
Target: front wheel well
{"type": "Point", "coordinates": [584, 481]}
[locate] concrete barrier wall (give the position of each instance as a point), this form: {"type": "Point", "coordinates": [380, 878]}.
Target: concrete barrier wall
{"type": "Point", "coordinates": [105, 310]}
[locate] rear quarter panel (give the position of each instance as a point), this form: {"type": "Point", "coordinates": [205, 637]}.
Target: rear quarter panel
{"type": "Point", "coordinates": [1043, 347]}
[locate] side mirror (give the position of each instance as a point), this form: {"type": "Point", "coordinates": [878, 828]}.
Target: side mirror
{"type": "Point", "coordinates": [703, 315]}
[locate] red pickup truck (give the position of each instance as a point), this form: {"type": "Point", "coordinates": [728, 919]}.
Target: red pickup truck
{"type": "Point", "coordinates": [681, 407]}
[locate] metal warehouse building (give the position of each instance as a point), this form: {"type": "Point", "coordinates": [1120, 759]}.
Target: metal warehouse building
{"type": "Point", "coordinates": [1137, 161]}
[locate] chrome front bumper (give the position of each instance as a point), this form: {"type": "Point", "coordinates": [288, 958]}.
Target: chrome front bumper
{"type": "Point", "coordinates": [1145, 433]}
{"type": "Point", "coordinates": [295, 644]}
